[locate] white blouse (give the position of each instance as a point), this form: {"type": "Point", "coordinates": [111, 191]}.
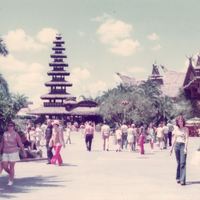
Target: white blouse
{"type": "Point", "coordinates": [180, 134]}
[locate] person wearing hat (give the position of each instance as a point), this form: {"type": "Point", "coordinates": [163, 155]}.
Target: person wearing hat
{"type": "Point", "coordinates": [57, 142]}
{"type": "Point", "coordinates": [10, 147]}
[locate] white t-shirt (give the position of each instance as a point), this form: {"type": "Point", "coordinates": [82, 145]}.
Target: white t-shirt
{"type": "Point", "coordinates": [43, 127]}
{"type": "Point", "coordinates": [118, 134]}
{"type": "Point", "coordinates": [39, 133]}
{"type": "Point", "coordinates": [124, 128]}
{"type": "Point", "coordinates": [165, 129]}
{"type": "Point", "coordinates": [67, 132]}
{"type": "Point", "coordinates": [130, 132]}
{"type": "Point", "coordinates": [105, 130]}
{"type": "Point", "coordinates": [32, 135]}
{"type": "Point", "coordinates": [160, 133]}
{"type": "Point", "coordinates": [180, 134]}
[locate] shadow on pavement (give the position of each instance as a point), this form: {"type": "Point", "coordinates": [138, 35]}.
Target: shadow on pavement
{"type": "Point", "coordinates": [193, 182]}
{"type": "Point", "coordinates": [26, 185]}
{"type": "Point", "coordinates": [68, 165]}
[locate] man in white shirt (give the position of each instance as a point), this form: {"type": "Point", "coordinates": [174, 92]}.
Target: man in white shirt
{"type": "Point", "coordinates": [105, 132]}
{"type": "Point", "coordinates": [165, 131]}
{"type": "Point", "coordinates": [160, 135]}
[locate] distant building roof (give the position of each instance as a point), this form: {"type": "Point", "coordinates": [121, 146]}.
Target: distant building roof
{"type": "Point", "coordinates": [70, 102]}
{"type": "Point", "coordinates": [127, 80]}
{"type": "Point", "coordinates": [56, 96]}
{"type": "Point", "coordinates": [62, 110]}
{"type": "Point", "coordinates": [23, 112]}
{"type": "Point", "coordinates": [172, 83]}
{"type": "Point", "coordinates": [63, 83]}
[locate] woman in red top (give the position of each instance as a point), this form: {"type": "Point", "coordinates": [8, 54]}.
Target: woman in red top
{"type": "Point", "coordinates": [10, 142]}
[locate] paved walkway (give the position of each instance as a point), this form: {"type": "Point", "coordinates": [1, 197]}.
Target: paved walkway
{"type": "Point", "coordinates": [101, 175]}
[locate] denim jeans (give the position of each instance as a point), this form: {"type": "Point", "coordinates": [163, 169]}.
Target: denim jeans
{"type": "Point", "coordinates": [181, 162]}
{"type": "Point", "coordinates": [170, 138]}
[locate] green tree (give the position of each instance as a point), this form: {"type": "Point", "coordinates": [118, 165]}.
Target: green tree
{"type": "Point", "coordinates": [10, 104]}
{"type": "Point", "coordinates": [145, 103]}
{"type": "Point", "coordinates": [182, 106]}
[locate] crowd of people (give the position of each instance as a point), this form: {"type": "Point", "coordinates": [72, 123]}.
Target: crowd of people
{"type": "Point", "coordinates": [54, 135]}
{"type": "Point", "coordinates": [130, 136]}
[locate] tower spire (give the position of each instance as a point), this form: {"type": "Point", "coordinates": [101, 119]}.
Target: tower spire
{"type": "Point", "coordinates": [58, 84]}
{"type": "Point", "coordinates": [155, 74]}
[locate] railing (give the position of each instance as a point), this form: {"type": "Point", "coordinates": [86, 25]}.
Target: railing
{"type": "Point", "coordinates": [58, 52]}
{"type": "Point", "coordinates": [49, 104]}
{"type": "Point", "coordinates": [58, 48]}
{"type": "Point", "coordinates": [58, 69]}
{"type": "Point", "coordinates": [58, 56]}
{"type": "Point", "coordinates": [58, 79]}
{"type": "Point", "coordinates": [58, 92]}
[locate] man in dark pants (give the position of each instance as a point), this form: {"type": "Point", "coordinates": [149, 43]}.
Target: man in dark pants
{"type": "Point", "coordinates": [48, 134]}
{"type": "Point", "coordinates": [171, 128]}
{"type": "Point", "coordinates": [88, 141]}
{"type": "Point", "coordinates": [89, 132]}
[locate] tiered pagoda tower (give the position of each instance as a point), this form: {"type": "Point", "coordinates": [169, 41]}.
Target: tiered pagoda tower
{"type": "Point", "coordinates": [58, 83]}
{"type": "Point", "coordinates": [59, 103]}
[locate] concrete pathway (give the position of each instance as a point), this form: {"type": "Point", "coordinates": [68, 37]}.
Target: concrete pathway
{"type": "Point", "coordinates": [99, 175]}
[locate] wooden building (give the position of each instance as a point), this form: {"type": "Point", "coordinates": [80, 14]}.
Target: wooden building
{"type": "Point", "coordinates": [191, 83]}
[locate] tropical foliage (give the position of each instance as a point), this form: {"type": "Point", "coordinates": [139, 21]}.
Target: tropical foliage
{"type": "Point", "coordinates": [10, 103]}
{"type": "Point", "coordinates": [142, 103]}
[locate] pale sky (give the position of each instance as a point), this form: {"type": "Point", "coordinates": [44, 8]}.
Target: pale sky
{"type": "Point", "coordinates": [102, 37]}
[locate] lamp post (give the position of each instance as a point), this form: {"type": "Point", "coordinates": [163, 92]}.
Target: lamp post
{"type": "Point", "coordinates": [124, 103]}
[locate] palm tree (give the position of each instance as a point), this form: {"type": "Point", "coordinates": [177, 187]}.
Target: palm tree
{"type": "Point", "coordinates": [19, 101]}
{"type": "Point", "coordinates": [3, 49]}
{"type": "Point", "coordinates": [3, 86]}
